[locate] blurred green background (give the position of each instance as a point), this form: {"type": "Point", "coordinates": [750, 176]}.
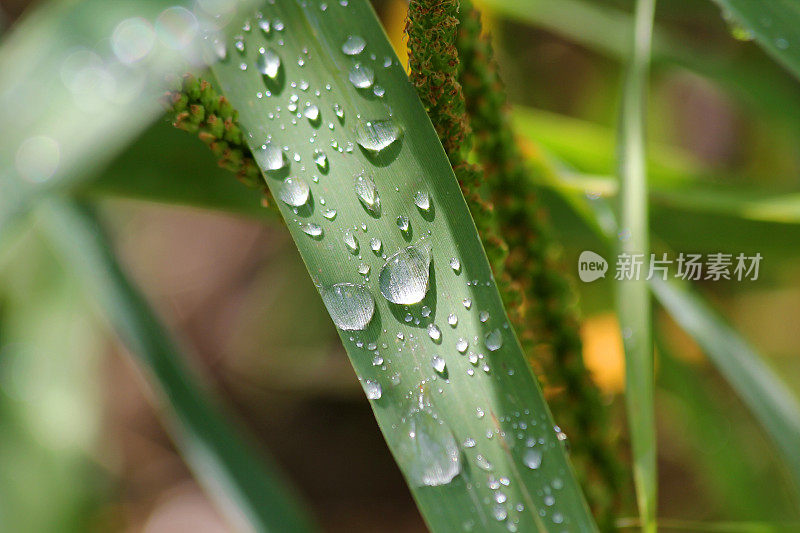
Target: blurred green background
{"type": "Point", "coordinates": [81, 445]}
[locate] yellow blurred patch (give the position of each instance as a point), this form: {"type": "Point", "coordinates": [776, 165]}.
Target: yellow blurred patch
{"type": "Point", "coordinates": [394, 21]}
{"type": "Point", "coordinates": [603, 352]}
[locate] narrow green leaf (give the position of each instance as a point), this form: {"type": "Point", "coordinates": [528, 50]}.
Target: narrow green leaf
{"type": "Point", "coordinates": [632, 295]}
{"type": "Point", "coordinates": [770, 400]}
{"type": "Point", "coordinates": [775, 25]}
{"type": "Point", "coordinates": [337, 127]}
{"type": "Point", "coordinates": [243, 481]}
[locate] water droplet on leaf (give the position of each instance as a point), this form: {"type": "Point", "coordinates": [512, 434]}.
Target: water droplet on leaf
{"type": "Point", "coordinates": [350, 306]}
{"type": "Point", "coordinates": [405, 276]}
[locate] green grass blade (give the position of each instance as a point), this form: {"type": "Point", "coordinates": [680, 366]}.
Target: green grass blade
{"type": "Point", "coordinates": [770, 400]}
{"type": "Point", "coordinates": [461, 412]}
{"type": "Point", "coordinates": [603, 28]}
{"type": "Point", "coordinates": [242, 480]}
{"type": "Point", "coordinates": [632, 295]}
{"type": "Point", "coordinates": [775, 25]}
{"type": "Point", "coordinates": [80, 79]}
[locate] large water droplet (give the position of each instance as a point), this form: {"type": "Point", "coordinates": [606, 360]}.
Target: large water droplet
{"type": "Point", "coordinates": [268, 63]}
{"type": "Point", "coordinates": [361, 76]}
{"type": "Point", "coordinates": [354, 45]}
{"type": "Point", "coordinates": [373, 389]}
{"type": "Point", "coordinates": [405, 276]}
{"type": "Point", "coordinates": [532, 459]}
{"type": "Point", "coordinates": [494, 340]}
{"type": "Point", "coordinates": [350, 306]}
{"type": "Point", "coordinates": [294, 192]}
{"type": "Point", "coordinates": [270, 157]}
{"type": "Point", "coordinates": [422, 200]}
{"type": "Point", "coordinates": [377, 135]}
{"type": "Point", "coordinates": [367, 193]}
{"type": "Point", "coordinates": [428, 450]}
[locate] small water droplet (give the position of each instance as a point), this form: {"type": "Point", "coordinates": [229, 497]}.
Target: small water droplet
{"type": "Point", "coordinates": [532, 459]}
{"type": "Point", "coordinates": [373, 389]}
{"type": "Point", "coordinates": [270, 157]}
{"type": "Point", "coordinates": [268, 63]}
{"type": "Point", "coordinates": [376, 245]}
{"type": "Point", "coordinates": [469, 442]}
{"type": "Point", "coordinates": [467, 302]}
{"type": "Point", "coordinates": [367, 193]}
{"type": "Point", "coordinates": [339, 111]}
{"type": "Point", "coordinates": [434, 333]}
{"type": "Point", "coordinates": [361, 76]}
{"type": "Point", "coordinates": [377, 135]}
{"type": "Point", "coordinates": [354, 45]}
{"type": "Point", "coordinates": [452, 319]}
{"type": "Point", "coordinates": [483, 316]}
{"type": "Point", "coordinates": [455, 264]}
{"type": "Point", "coordinates": [403, 223]}
{"type": "Point", "coordinates": [422, 200]}
{"type": "Point", "coordinates": [428, 450]}
{"type": "Point", "coordinates": [500, 513]}
{"type": "Point", "coordinates": [312, 114]}
{"type": "Point", "coordinates": [351, 306]}
{"type": "Point", "coordinates": [238, 43]}
{"type": "Point", "coordinates": [462, 345]}
{"type": "Point", "coordinates": [330, 214]}
{"type": "Point", "coordinates": [321, 160]}
{"type": "Point", "coordinates": [483, 463]}
{"type": "Point", "coordinates": [405, 276]}
{"type": "Point", "coordinates": [363, 269]}
{"type": "Point", "coordinates": [294, 192]}
{"type": "Point", "coordinates": [313, 230]}
{"type": "Point", "coordinates": [351, 242]}
{"type": "Point", "coordinates": [438, 364]}
{"type": "Point", "coordinates": [263, 24]}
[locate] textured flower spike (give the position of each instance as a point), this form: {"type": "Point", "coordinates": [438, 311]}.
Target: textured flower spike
{"type": "Point", "coordinates": [433, 63]}
{"type": "Point", "coordinates": [547, 317]}
{"type": "Point", "coordinates": [197, 108]}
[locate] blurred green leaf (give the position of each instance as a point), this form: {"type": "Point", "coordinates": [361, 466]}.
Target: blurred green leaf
{"type": "Point", "coordinates": [170, 166]}
{"type": "Point", "coordinates": [80, 79]}
{"type": "Point", "coordinates": [603, 28]}
{"type": "Point", "coordinates": [632, 296]}
{"type": "Point", "coordinates": [772, 403]}
{"type": "Point", "coordinates": [775, 25]}
{"type": "Point", "coordinates": [455, 399]}
{"type": "Point", "coordinates": [721, 440]}
{"type": "Point", "coordinates": [243, 481]}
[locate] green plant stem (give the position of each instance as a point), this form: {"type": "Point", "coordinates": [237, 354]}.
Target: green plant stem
{"type": "Point", "coordinates": [632, 295]}
{"type": "Point", "coordinates": [246, 483]}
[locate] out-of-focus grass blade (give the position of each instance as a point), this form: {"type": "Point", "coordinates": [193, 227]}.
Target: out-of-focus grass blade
{"type": "Point", "coordinates": [79, 79]}
{"type": "Point", "coordinates": [775, 25]}
{"type": "Point", "coordinates": [244, 481]}
{"type": "Point", "coordinates": [170, 166]}
{"type": "Point", "coordinates": [632, 296]}
{"type": "Point", "coordinates": [726, 467]}
{"type": "Point", "coordinates": [772, 403]}
{"type": "Point", "coordinates": [377, 214]}
{"type": "Point", "coordinates": [693, 526]}
{"type": "Point", "coordinates": [602, 28]}
{"type": "Point", "coordinates": [731, 222]}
